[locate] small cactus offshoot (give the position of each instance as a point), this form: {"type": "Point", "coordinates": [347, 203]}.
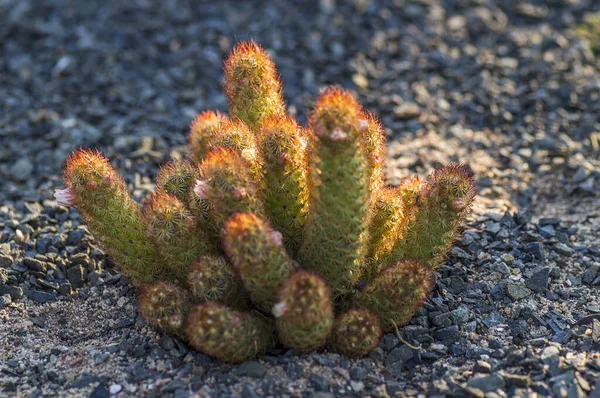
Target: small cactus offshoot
{"type": "Point", "coordinates": [273, 233]}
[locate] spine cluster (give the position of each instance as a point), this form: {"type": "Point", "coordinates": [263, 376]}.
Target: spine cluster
{"type": "Point", "coordinates": [273, 233]}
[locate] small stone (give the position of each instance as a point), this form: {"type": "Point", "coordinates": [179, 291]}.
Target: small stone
{"type": "Point", "coordinates": [563, 249]}
{"type": "Point", "coordinates": [76, 275]}
{"type": "Point", "coordinates": [357, 386]}
{"type": "Point", "coordinates": [521, 381]}
{"type": "Point", "coordinates": [589, 274]}
{"type": "Point", "coordinates": [41, 297]}
{"type": "Point", "coordinates": [251, 369]}
{"type": "Point", "coordinates": [487, 383]}
{"type": "Point", "coordinates": [360, 80]}
{"type": "Point", "coordinates": [548, 353]}
{"type": "Point", "coordinates": [482, 367]}
{"type": "Point", "coordinates": [5, 260]}
{"type": "Point", "coordinates": [100, 392]}
{"type": "Point", "coordinates": [115, 388]}
{"type": "Point", "coordinates": [35, 264]}
{"type": "Point", "coordinates": [319, 383]}
{"type": "Point", "coordinates": [248, 392]}
{"type": "Point", "coordinates": [5, 300]}
{"type": "Point", "coordinates": [536, 249]}
{"type": "Point", "coordinates": [449, 334]}
{"type": "Point", "coordinates": [21, 170]}
{"type": "Point", "coordinates": [358, 373]}
{"type": "Point", "coordinates": [75, 236]}
{"type": "Point", "coordinates": [461, 314]}
{"type": "Point", "coordinates": [580, 175]}
{"type": "Point", "coordinates": [538, 281]}
{"type": "Point", "coordinates": [494, 319]}
{"type": "Point", "coordinates": [407, 111]}
{"type": "Point", "coordinates": [15, 292]}
{"type": "Point", "coordinates": [517, 291]}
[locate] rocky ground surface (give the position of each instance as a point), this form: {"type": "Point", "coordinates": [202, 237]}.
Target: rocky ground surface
{"type": "Point", "coordinates": [508, 87]}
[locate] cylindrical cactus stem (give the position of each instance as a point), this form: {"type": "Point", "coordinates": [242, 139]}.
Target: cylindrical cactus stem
{"type": "Point", "coordinates": [444, 202]}
{"type": "Point", "coordinates": [392, 213]}
{"type": "Point", "coordinates": [257, 253]}
{"type": "Point", "coordinates": [304, 313]}
{"type": "Point", "coordinates": [355, 333]}
{"type": "Point", "coordinates": [334, 235]}
{"type": "Point", "coordinates": [397, 293]}
{"type": "Point", "coordinates": [251, 84]}
{"type": "Point", "coordinates": [174, 231]}
{"type": "Point", "coordinates": [164, 306]}
{"type": "Point", "coordinates": [374, 146]}
{"type": "Point", "coordinates": [227, 186]}
{"type": "Point", "coordinates": [212, 278]}
{"type": "Point", "coordinates": [112, 216]}
{"type": "Point", "coordinates": [177, 178]}
{"type": "Point", "coordinates": [203, 129]}
{"type": "Point", "coordinates": [228, 334]}
{"type": "Point", "coordinates": [282, 148]}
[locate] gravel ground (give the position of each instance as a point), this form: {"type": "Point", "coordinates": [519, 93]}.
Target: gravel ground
{"type": "Point", "coordinates": [507, 87]}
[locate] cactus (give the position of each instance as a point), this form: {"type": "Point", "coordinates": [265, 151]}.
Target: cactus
{"type": "Point", "coordinates": [251, 84]}
{"type": "Point", "coordinates": [355, 333]}
{"type": "Point", "coordinates": [174, 232]}
{"type": "Point", "coordinates": [164, 306]}
{"type": "Point", "coordinates": [274, 233]}
{"type": "Point", "coordinates": [333, 237]}
{"type": "Point", "coordinates": [228, 334]}
{"type": "Point", "coordinates": [304, 313]}
{"type": "Point", "coordinates": [282, 147]}
{"type": "Point", "coordinates": [258, 255]}
{"type": "Point", "coordinates": [211, 278]}
{"type": "Point", "coordinates": [396, 293]}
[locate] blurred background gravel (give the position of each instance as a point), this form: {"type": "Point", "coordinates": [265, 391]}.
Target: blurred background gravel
{"type": "Point", "coordinates": [511, 88]}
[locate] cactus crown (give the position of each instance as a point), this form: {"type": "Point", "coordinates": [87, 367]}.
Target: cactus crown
{"type": "Point", "coordinates": [275, 232]}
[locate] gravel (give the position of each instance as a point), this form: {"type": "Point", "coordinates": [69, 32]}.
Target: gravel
{"type": "Point", "coordinates": [506, 87]}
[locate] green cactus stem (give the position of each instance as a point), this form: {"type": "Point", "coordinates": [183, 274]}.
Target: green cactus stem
{"type": "Point", "coordinates": [226, 333]}
{"type": "Point", "coordinates": [174, 232]}
{"type": "Point", "coordinates": [177, 178]}
{"type": "Point", "coordinates": [374, 146]}
{"type": "Point", "coordinates": [355, 333]}
{"type": "Point", "coordinates": [396, 294]}
{"type": "Point", "coordinates": [282, 148]}
{"type": "Point", "coordinates": [335, 231]}
{"type": "Point", "coordinates": [392, 214]}
{"type": "Point", "coordinates": [101, 197]}
{"type": "Point", "coordinates": [304, 313]}
{"type": "Point", "coordinates": [203, 129]}
{"type": "Point", "coordinates": [212, 278]}
{"type": "Point", "coordinates": [164, 306]}
{"type": "Point", "coordinates": [227, 186]}
{"type": "Point", "coordinates": [257, 253]}
{"type": "Point", "coordinates": [444, 202]}
{"type": "Point", "coordinates": [251, 84]}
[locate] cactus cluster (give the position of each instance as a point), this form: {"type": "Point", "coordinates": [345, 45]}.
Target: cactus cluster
{"type": "Point", "coordinates": [273, 233]}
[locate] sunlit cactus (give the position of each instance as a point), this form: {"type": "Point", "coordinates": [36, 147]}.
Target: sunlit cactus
{"type": "Point", "coordinates": [252, 85]}
{"type": "Point", "coordinates": [164, 306]}
{"type": "Point", "coordinates": [272, 233]}
{"type": "Point", "coordinates": [304, 313]}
